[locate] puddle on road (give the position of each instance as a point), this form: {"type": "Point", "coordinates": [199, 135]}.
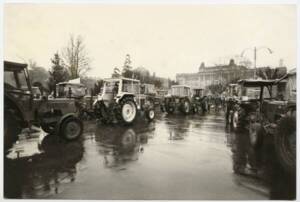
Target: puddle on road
{"type": "Point", "coordinates": [46, 165]}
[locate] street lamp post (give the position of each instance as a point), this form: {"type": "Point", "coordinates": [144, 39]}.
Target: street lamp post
{"type": "Point", "coordinates": [255, 55]}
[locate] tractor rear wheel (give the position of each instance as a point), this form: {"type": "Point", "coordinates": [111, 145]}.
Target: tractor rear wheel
{"type": "Point", "coordinates": [285, 143]}
{"type": "Point", "coordinates": [12, 128]}
{"type": "Point", "coordinates": [128, 110]}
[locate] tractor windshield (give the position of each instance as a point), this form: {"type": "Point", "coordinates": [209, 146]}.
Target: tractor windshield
{"type": "Point", "coordinates": [253, 93]}
{"type": "Point", "coordinates": [16, 79]}
{"type": "Point", "coordinates": [111, 86]}
{"type": "Point", "coordinates": [180, 91]}
{"type": "Point", "coordinates": [130, 86]}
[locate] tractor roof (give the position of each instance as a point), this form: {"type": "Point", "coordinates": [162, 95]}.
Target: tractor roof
{"type": "Point", "coordinates": [178, 86]}
{"type": "Point", "coordinates": [258, 83]}
{"type": "Point", "coordinates": [71, 84]}
{"type": "Point", "coordinates": [13, 66]}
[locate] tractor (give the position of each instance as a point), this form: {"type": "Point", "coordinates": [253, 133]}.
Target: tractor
{"type": "Point", "coordinates": [267, 111]}
{"type": "Point", "coordinates": [160, 96]}
{"type": "Point", "coordinates": [180, 99]}
{"type": "Point", "coordinates": [200, 100]}
{"type": "Point", "coordinates": [23, 109]}
{"type": "Point", "coordinates": [121, 100]}
{"type": "Point", "coordinates": [74, 90]}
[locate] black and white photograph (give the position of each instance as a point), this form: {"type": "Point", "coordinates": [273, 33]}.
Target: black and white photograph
{"type": "Point", "coordinates": [149, 101]}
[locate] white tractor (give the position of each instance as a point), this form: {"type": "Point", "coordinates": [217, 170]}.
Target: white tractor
{"type": "Point", "coordinates": [121, 100]}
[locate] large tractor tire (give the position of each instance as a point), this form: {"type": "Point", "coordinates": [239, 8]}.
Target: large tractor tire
{"type": "Point", "coordinates": [285, 143]}
{"type": "Point", "coordinates": [71, 128]}
{"type": "Point", "coordinates": [128, 110]}
{"type": "Point", "coordinates": [12, 128]}
{"type": "Point", "coordinates": [186, 107]}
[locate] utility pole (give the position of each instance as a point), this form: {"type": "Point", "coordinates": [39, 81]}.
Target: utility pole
{"type": "Point", "coordinates": [255, 63]}
{"type": "Point", "coordinates": [255, 56]}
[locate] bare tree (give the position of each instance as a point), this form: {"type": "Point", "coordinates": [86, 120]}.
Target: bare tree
{"type": "Point", "coordinates": [75, 57]}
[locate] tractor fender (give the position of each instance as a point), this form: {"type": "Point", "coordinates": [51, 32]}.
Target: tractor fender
{"type": "Point", "coordinates": [119, 98]}
{"type": "Point", "coordinates": [61, 120]}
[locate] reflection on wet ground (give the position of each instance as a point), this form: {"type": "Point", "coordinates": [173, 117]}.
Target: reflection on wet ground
{"type": "Point", "coordinates": [175, 157]}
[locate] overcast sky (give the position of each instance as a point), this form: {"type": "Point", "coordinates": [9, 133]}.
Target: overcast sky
{"type": "Point", "coordinates": [166, 39]}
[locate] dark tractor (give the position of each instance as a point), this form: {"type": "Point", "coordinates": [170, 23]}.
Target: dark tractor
{"type": "Point", "coordinates": [160, 96]}
{"type": "Point", "coordinates": [180, 99]}
{"type": "Point", "coordinates": [267, 111]}
{"type": "Point", "coordinates": [199, 100]}
{"type": "Point", "coordinates": [121, 100]}
{"type": "Point", "coordinates": [22, 108]}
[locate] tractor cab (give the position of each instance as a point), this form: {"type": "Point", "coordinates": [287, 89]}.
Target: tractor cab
{"type": "Point", "coordinates": [198, 93]}
{"type": "Point", "coordinates": [114, 89]}
{"type": "Point", "coordinates": [181, 91]}
{"type": "Point", "coordinates": [17, 86]}
{"type": "Point", "coordinates": [70, 90]}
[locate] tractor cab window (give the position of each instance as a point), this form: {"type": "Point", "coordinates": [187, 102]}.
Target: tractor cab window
{"type": "Point", "coordinates": [22, 80]}
{"type": "Point", "coordinates": [111, 87]}
{"type": "Point", "coordinates": [16, 79]}
{"type": "Point", "coordinates": [130, 86]}
{"type": "Point", "coordinates": [252, 93]}
{"type": "Point", "coordinates": [9, 79]}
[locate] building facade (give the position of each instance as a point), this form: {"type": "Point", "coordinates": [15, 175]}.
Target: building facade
{"type": "Point", "coordinates": [221, 74]}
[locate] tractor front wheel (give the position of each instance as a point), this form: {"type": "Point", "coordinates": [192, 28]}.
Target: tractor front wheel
{"type": "Point", "coordinates": [150, 114]}
{"type": "Point", "coordinates": [71, 128]}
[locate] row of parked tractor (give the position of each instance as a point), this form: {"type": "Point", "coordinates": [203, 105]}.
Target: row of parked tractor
{"type": "Point", "coordinates": [263, 109]}
{"type": "Point", "coordinates": [121, 101]}
{"type": "Point", "coordinates": [266, 111]}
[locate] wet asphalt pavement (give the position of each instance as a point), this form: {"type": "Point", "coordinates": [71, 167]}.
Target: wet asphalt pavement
{"type": "Point", "coordinates": [174, 157]}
